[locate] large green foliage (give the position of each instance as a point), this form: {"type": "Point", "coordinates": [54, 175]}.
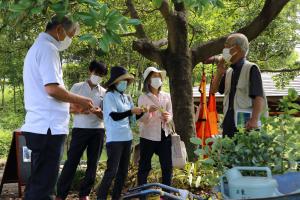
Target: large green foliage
{"type": "Point", "coordinates": [276, 145]}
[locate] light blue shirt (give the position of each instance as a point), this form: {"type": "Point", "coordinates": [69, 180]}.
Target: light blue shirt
{"type": "Point", "coordinates": [116, 130]}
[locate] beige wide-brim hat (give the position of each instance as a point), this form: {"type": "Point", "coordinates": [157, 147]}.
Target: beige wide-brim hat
{"type": "Point", "coordinates": [154, 69]}
{"type": "Point", "coordinates": [117, 74]}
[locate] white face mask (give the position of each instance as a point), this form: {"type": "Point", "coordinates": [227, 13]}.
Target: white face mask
{"type": "Point", "coordinates": [226, 55]}
{"type": "Point", "coordinates": [156, 82]}
{"type": "Point", "coordinates": [95, 79]}
{"type": "Point", "coordinates": [63, 45]}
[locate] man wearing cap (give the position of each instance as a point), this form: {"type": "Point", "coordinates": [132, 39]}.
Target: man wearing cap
{"type": "Point", "coordinates": [154, 130]}
{"type": "Point", "coordinates": [87, 134]}
{"type": "Point", "coordinates": [119, 112]}
{"type": "Point", "coordinates": [47, 107]}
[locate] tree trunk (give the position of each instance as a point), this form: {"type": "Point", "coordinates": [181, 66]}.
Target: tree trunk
{"type": "Point", "coordinates": [21, 90]}
{"type": "Point", "coordinates": [2, 91]}
{"type": "Point", "coordinates": [179, 69]}
{"type": "Point", "coordinates": [15, 102]}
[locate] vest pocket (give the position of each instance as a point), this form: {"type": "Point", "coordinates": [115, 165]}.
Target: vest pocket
{"type": "Point", "coordinates": [242, 99]}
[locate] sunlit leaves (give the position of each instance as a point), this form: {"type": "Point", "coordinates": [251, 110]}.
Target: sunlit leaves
{"type": "Point", "coordinates": [96, 16]}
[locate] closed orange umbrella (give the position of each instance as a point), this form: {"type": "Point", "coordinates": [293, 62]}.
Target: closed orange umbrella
{"type": "Point", "coordinates": [207, 123]}
{"type": "Point", "coordinates": [201, 126]}
{"type": "Point", "coordinates": [212, 113]}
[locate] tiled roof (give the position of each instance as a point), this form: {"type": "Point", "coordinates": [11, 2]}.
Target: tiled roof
{"type": "Point", "coordinates": [269, 87]}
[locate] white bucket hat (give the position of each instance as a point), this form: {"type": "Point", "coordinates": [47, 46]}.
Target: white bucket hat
{"type": "Point", "coordinates": [154, 69]}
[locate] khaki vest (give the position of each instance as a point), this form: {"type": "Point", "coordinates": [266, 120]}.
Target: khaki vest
{"type": "Point", "coordinates": [241, 98]}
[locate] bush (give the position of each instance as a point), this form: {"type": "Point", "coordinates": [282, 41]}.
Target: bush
{"type": "Point", "coordinates": [276, 145]}
{"type": "Point", "coordinates": [5, 142]}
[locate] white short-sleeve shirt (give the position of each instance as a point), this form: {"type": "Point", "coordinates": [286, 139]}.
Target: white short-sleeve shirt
{"type": "Point", "coordinates": [96, 94]}
{"type": "Point", "coordinates": [42, 66]}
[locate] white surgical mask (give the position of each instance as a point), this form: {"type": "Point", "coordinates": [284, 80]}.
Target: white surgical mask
{"type": "Point", "coordinates": [95, 79]}
{"type": "Point", "coordinates": [226, 55]}
{"type": "Point", "coordinates": [63, 45]}
{"type": "Point", "coordinates": [156, 82]}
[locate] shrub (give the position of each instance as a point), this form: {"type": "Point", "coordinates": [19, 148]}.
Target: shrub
{"type": "Point", "coordinates": [5, 142]}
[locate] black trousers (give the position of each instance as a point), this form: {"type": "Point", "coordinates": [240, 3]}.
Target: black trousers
{"type": "Point", "coordinates": [45, 159]}
{"type": "Point", "coordinates": [82, 139]}
{"type": "Point", "coordinates": [118, 154]}
{"type": "Point", "coordinates": [163, 150]}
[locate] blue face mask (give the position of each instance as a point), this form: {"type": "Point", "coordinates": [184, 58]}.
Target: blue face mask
{"type": "Point", "coordinates": [122, 85]}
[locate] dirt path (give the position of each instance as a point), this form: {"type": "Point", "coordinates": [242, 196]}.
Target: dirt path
{"type": "Point", "coordinates": [10, 190]}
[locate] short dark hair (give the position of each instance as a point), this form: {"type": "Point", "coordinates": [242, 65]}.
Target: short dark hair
{"type": "Point", "coordinates": [98, 67]}
{"type": "Point", "coordinates": [59, 20]}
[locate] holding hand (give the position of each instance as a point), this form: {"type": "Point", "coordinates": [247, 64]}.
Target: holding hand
{"type": "Point", "coordinates": [251, 124]}
{"type": "Point", "coordinates": [97, 111]}
{"type": "Point", "coordinates": [166, 116]}
{"type": "Point", "coordinates": [221, 66]}
{"type": "Point", "coordinates": [137, 110]}
{"type": "Point", "coordinates": [86, 103]}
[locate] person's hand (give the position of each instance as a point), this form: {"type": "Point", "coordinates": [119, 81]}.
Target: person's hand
{"type": "Point", "coordinates": [86, 103]}
{"type": "Point", "coordinates": [152, 108]}
{"type": "Point", "coordinates": [166, 116]}
{"type": "Point", "coordinates": [221, 66]}
{"type": "Point", "coordinates": [251, 124]}
{"type": "Point", "coordinates": [96, 110]}
{"type": "Point", "coordinates": [137, 110]}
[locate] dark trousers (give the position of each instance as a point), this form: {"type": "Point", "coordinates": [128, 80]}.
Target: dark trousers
{"type": "Point", "coordinates": [45, 159]}
{"type": "Point", "coordinates": [118, 154]}
{"type": "Point", "coordinates": [82, 139]}
{"type": "Point", "coordinates": [163, 150]}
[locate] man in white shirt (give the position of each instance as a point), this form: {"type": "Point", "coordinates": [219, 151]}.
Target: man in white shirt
{"type": "Point", "coordinates": [47, 106]}
{"type": "Point", "coordinates": [87, 134]}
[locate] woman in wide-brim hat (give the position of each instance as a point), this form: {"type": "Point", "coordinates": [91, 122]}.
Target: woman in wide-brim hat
{"type": "Point", "coordinates": [155, 135]}
{"type": "Point", "coordinates": [118, 111]}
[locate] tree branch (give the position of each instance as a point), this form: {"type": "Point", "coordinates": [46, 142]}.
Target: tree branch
{"type": "Point", "coordinates": [134, 14]}
{"type": "Point", "coordinates": [148, 49]}
{"type": "Point", "coordinates": [160, 43]}
{"type": "Point", "coordinates": [268, 13]}
{"type": "Point", "coordinates": [165, 10]}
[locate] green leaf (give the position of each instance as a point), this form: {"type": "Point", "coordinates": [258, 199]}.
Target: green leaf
{"type": "Point", "coordinates": [104, 42]}
{"type": "Point", "coordinates": [134, 22]}
{"type": "Point", "coordinates": [209, 161]}
{"type": "Point", "coordinates": [17, 8]}
{"type": "Point", "coordinates": [196, 140]}
{"type": "Point", "coordinates": [157, 3]}
{"type": "Point", "coordinates": [292, 111]}
{"type": "Point", "coordinates": [36, 10]}
{"type": "Point", "coordinates": [200, 152]}
{"type": "Point", "coordinates": [86, 37]}
{"type": "Point", "coordinates": [103, 12]}
{"type": "Point", "coordinates": [90, 2]}
{"type": "Point", "coordinates": [209, 140]}
{"type": "Point", "coordinates": [115, 37]}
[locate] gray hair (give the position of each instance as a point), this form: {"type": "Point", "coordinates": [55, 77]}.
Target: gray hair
{"type": "Point", "coordinates": [242, 41]}
{"type": "Point", "coordinates": [67, 23]}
